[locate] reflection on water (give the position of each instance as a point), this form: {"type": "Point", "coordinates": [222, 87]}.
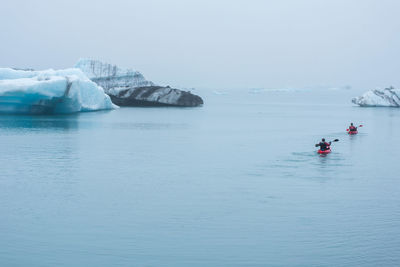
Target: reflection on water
{"type": "Point", "coordinates": [46, 123]}
{"type": "Point", "coordinates": [306, 165]}
{"type": "Point", "coordinates": [149, 126]}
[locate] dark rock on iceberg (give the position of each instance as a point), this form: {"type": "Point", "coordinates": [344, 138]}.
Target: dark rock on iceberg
{"type": "Point", "coordinates": [155, 96]}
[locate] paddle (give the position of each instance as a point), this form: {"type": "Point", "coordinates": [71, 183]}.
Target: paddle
{"type": "Point", "coordinates": [336, 140]}
{"type": "Point", "coordinates": [358, 126]}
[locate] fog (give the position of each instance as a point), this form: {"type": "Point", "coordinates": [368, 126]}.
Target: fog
{"type": "Point", "coordinates": [224, 44]}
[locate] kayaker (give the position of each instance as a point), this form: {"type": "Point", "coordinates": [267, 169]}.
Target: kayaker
{"type": "Point", "coordinates": [352, 128]}
{"type": "Point", "coordinates": [323, 145]}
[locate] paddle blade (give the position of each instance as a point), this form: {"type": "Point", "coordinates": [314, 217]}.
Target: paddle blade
{"type": "Point", "coordinates": [347, 130]}
{"type": "Point", "coordinates": [336, 140]}
{"type": "Point", "coordinates": [360, 126]}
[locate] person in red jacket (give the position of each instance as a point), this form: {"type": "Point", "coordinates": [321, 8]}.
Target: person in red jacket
{"type": "Point", "coordinates": [352, 128]}
{"type": "Point", "coordinates": [323, 145]}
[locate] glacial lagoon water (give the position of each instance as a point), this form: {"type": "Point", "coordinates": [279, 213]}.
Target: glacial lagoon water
{"type": "Point", "coordinates": [236, 182]}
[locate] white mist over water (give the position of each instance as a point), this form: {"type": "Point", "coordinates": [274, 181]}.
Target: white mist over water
{"type": "Point", "coordinates": [207, 43]}
{"type": "Point", "coordinates": [235, 182]}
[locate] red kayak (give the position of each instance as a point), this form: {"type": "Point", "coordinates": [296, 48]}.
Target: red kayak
{"type": "Point", "coordinates": [353, 132]}
{"type": "Point", "coordinates": [324, 151]}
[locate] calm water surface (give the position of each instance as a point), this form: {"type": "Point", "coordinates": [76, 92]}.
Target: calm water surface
{"type": "Point", "coordinates": [234, 183]}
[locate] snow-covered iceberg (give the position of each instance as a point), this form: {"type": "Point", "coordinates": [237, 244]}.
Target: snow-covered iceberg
{"type": "Point", "coordinates": [128, 87]}
{"type": "Point", "coordinates": [388, 97]}
{"type": "Point", "coordinates": [50, 92]}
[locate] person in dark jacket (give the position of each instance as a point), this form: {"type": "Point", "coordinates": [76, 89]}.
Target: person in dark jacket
{"type": "Point", "coordinates": [323, 145]}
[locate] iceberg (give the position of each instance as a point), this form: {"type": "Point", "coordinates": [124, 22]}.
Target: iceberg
{"type": "Point", "coordinates": [50, 92]}
{"type": "Point", "coordinates": [388, 97]}
{"type": "Point", "coordinates": [128, 87]}
{"type": "Point", "coordinates": [110, 76]}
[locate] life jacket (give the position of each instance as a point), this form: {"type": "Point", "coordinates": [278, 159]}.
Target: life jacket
{"type": "Point", "coordinates": [324, 146]}
{"type": "Point", "coordinates": [352, 128]}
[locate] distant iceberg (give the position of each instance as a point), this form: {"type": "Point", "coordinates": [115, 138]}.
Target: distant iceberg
{"type": "Point", "coordinates": [388, 97]}
{"type": "Point", "coordinates": [50, 92]}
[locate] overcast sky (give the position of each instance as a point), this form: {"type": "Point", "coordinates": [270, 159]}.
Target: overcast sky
{"type": "Point", "coordinates": [211, 43]}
